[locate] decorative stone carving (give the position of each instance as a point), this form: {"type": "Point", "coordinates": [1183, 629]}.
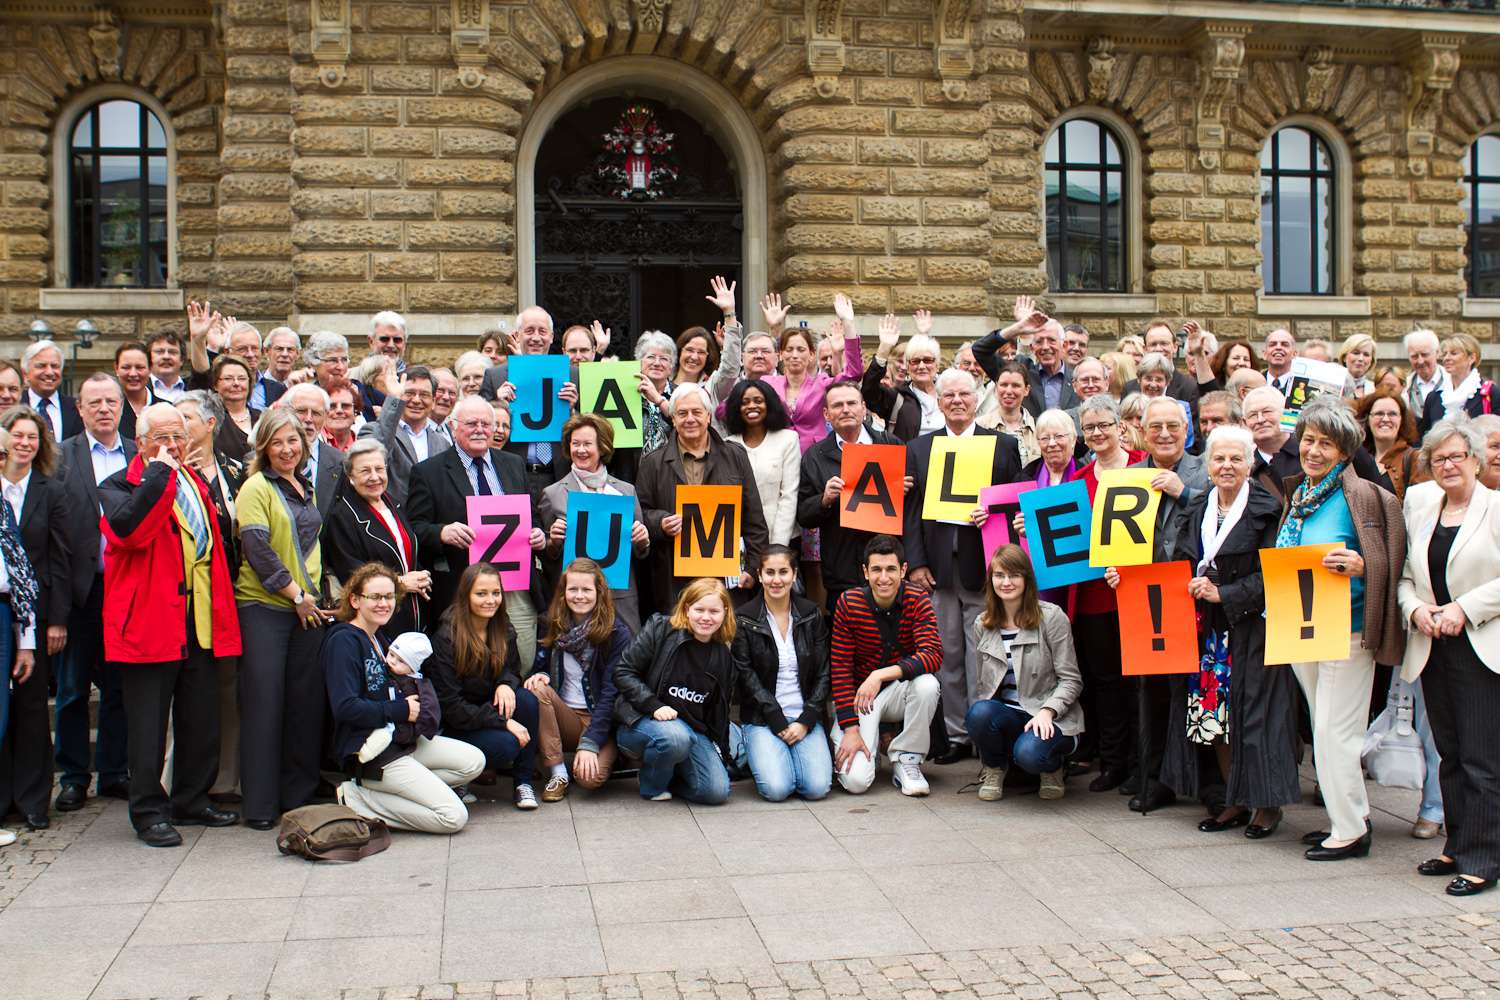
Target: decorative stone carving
{"type": "Point", "coordinates": [1319, 67]}
{"type": "Point", "coordinates": [1431, 69]}
{"type": "Point", "coordinates": [471, 40]}
{"type": "Point", "coordinates": [648, 14]}
{"type": "Point", "coordinates": [825, 44]}
{"type": "Point", "coordinates": [954, 50]}
{"type": "Point", "coordinates": [330, 40]}
{"type": "Point", "coordinates": [1221, 58]}
{"type": "Point", "coordinates": [1101, 66]}
{"type": "Point", "coordinates": [104, 39]}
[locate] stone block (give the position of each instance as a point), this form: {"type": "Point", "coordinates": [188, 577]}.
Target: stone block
{"type": "Point", "coordinates": [277, 245]}
{"type": "Point", "coordinates": [1027, 224]}
{"type": "Point", "coordinates": [1373, 213]}
{"type": "Point", "coordinates": [18, 192]}
{"type": "Point", "coordinates": [1207, 256]}
{"type": "Point", "coordinates": [255, 215]}
{"type": "Point", "coordinates": [820, 267]}
{"type": "Point", "coordinates": [955, 152]}
{"type": "Point", "coordinates": [818, 149]}
{"type": "Point", "coordinates": [458, 173]}
{"type": "Point", "coordinates": [844, 121]}
{"type": "Point", "coordinates": [1233, 232]}
{"type": "Point", "coordinates": [888, 270]}
{"type": "Point", "coordinates": [886, 31]}
{"type": "Point", "coordinates": [1233, 184]}
{"type": "Point", "coordinates": [939, 239]}
{"type": "Point", "coordinates": [1413, 306]}
{"type": "Point", "coordinates": [1203, 208]}
{"type": "Point", "coordinates": [1441, 238]}
{"type": "Point", "coordinates": [197, 219]}
{"type": "Point", "coordinates": [1445, 191]}
{"type": "Point", "coordinates": [30, 245]}
{"type": "Point", "coordinates": [346, 110]}
{"type": "Point", "coordinates": [253, 274]}
{"type": "Point", "coordinates": [1176, 232]}
{"type": "Point", "coordinates": [1172, 280]}
{"type": "Point", "coordinates": [1448, 215]}
{"type": "Point", "coordinates": [402, 204]}
{"type": "Point", "coordinates": [820, 207]}
{"type": "Point", "coordinates": [1164, 208]}
{"type": "Point", "coordinates": [1439, 284]}
{"type": "Point", "coordinates": [402, 141]}
{"type": "Point", "coordinates": [255, 128]}
{"type": "Point", "coordinates": [951, 301]}
{"type": "Point", "coordinates": [956, 270]}
{"type": "Point", "coordinates": [249, 98]}
{"type": "Point", "coordinates": [1233, 281]}
{"type": "Point", "coordinates": [23, 272]}
{"type": "Point", "coordinates": [255, 187]}
{"type": "Point", "coordinates": [1167, 183]}
{"type": "Point", "coordinates": [311, 203]}
{"type": "Point", "coordinates": [1237, 210]}
{"type": "Point", "coordinates": [868, 300]}
{"type": "Point", "coordinates": [475, 142]}
{"type": "Point", "coordinates": [938, 180]}
{"type": "Point", "coordinates": [258, 68]}
{"type": "Point", "coordinates": [967, 93]}
{"type": "Point", "coordinates": [477, 265]}
{"type": "Point", "coordinates": [1382, 189]}
{"type": "Point", "coordinates": [1016, 253]}
{"type": "Point", "coordinates": [321, 264]}
{"type": "Point", "coordinates": [275, 159]}
{"type": "Point", "coordinates": [875, 90]}
{"type": "Point", "coordinates": [927, 121]}
{"type": "Point", "coordinates": [1206, 305]}
{"type": "Point", "coordinates": [912, 62]}
{"type": "Point", "coordinates": [459, 236]}
{"type": "Point", "coordinates": [453, 295]}
{"type": "Point", "coordinates": [332, 139]}
{"type": "Point", "coordinates": [347, 171]}
{"type": "Point", "coordinates": [367, 48]}
{"type": "Point", "coordinates": [889, 209]}
{"type": "Point", "coordinates": [847, 239]}
{"type": "Point", "coordinates": [459, 204]}
{"type": "Point", "coordinates": [428, 49]}
{"type": "Point", "coordinates": [820, 177]}
{"type": "Point", "coordinates": [346, 296]}
{"type": "Point", "coordinates": [888, 151]}
{"type": "Point", "coordinates": [1449, 261]}
{"type": "Point", "coordinates": [865, 60]}
{"type": "Point", "coordinates": [399, 17]}
{"type": "Point", "coordinates": [1020, 197]}
{"type": "Point", "coordinates": [399, 266]}
{"type": "Point", "coordinates": [363, 234]}
{"type": "Point", "coordinates": [1389, 236]}
{"type": "Point", "coordinates": [403, 79]}
{"type": "Point", "coordinates": [1165, 255]}
{"type": "Point", "coordinates": [461, 111]}
{"type": "Point", "coordinates": [1413, 260]}
{"type": "Point", "coordinates": [1381, 283]}
{"type": "Point", "coordinates": [955, 211]}
{"type": "Point", "coordinates": [1411, 215]}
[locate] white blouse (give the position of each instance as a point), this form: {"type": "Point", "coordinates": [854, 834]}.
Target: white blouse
{"type": "Point", "coordinates": [777, 463]}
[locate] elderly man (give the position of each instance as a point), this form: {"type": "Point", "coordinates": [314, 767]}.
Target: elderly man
{"type": "Point", "coordinates": [85, 461]}
{"type": "Point", "coordinates": [42, 367]}
{"type": "Point", "coordinates": [168, 611]}
{"type": "Point", "coordinates": [437, 504]}
{"type": "Point", "coordinates": [406, 430]}
{"type": "Point", "coordinates": [388, 337]}
{"type": "Point", "coordinates": [1426, 375]}
{"type": "Point", "coordinates": [695, 455]}
{"type": "Point", "coordinates": [327, 357]}
{"type": "Point", "coordinates": [1278, 352]}
{"type": "Point", "coordinates": [948, 559]}
{"type": "Point", "coordinates": [544, 460]}
{"type": "Point", "coordinates": [1046, 367]}
{"type": "Point", "coordinates": [326, 463]}
{"type": "Point", "coordinates": [282, 346]}
{"type": "Point", "coordinates": [1216, 409]}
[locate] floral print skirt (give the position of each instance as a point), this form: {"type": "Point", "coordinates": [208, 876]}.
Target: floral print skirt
{"type": "Point", "coordinates": [1208, 691]}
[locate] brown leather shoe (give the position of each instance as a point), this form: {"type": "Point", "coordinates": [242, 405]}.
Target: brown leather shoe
{"type": "Point", "coordinates": [556, 790]}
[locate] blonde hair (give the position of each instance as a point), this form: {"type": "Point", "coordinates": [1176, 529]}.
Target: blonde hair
{"type": "Point", "coordinates": [1357, 340]}
{"type": "Point", "coordinates": [268, 426]}
{"type": "Point", "coordinates": [1463, 342]}
{"type": "Point", "coordinates": [705, 586]}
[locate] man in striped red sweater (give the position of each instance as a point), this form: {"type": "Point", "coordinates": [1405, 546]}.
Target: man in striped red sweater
{"type": "Point", "coordinates": [886, 652]}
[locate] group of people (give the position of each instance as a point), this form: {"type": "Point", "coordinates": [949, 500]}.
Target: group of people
{"type": "Point", "coordinates": [276, 560]}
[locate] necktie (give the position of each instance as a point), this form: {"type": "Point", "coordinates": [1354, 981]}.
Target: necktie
{"type": "Point", "coordinates": [481, 481]}
{"type": "Point", "coordinates": [44, 406]}
{"type": "Point", "coordinates": [541, 453]}
{"type": "Point", "coordinates": [188, 503]}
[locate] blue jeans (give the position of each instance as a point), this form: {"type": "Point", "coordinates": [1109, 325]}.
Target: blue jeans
{"type": "Point", "coordinates": [1432, 792]}
{"type": "Point", "coordinates": [675, 757]}
{"type": "Point", "coordinates": [999, 734]}
{"type": "Point", "coordinates": [501, 749]}
{"type": "Point", "coordinates": [79, 667]}
{"type": "Point", "coordinates": [805, 768]}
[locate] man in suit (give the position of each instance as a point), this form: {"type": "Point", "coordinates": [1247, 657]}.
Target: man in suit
{"type": "Point", "coordinates": [437, 505]}
{"type": "Point", "coordinates": [84, 461]}
{"type": "Point", "coordinates": [1180, 476]}
{"type": "Point", "coordinates": [1046, 366]}
{"type": "Point", "coordinates": [948, 559]}
{"type": "Point", "coordinates": [42, 367]}
{"type": "Point", "coordinates": [405, 430]}
{"type": "Point", "coordinates": [281, 347]}
{"type": "Point", "coordinates": [326, 465]}
{"type": "Point", "coordinates": [1278, 352]}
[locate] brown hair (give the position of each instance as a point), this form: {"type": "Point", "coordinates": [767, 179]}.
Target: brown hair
{"type": "Point", "coordinates": [46, 448]}
{"type": "Point", "coordinates": [712, 364]}
{"type": "Point", "coordinates": [1220, 361]}
{"type": "Point", "coordinates": [498, 336]}
{"type": "Point", "coordinates": [131, 345]}
{"type": "Point", "coordinates": [1014, 560]}
{"type": "Point", "coordinates": [475, 651]}
{"type": "Point", "coordinates": [226, 360]}
{"type": "Point", "coordinates": [356, 583]}
{"type": "Point", "coordinates": [1364, 404]}
{"type": "Point", "coordinates": [560, 618]}
{"type": "Point", "coordinates": [705, 586]}
{"type": "Point", "coordinates": [343, 385]}
{"type": "Point", "coordinates": [797, 331]}
{"type": "Point", "coordinates": [603, 432]}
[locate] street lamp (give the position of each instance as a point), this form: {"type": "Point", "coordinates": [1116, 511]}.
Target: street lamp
{"type": "Point", "coordinates": [40, 330]}
{"type": "Point", "coordinates": [84, 335]}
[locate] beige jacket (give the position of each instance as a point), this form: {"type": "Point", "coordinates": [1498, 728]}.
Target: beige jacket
{"type": "Point", "coordinates": [1471, 573]}
{"type": "Point", "coordinates": [1046, 667]}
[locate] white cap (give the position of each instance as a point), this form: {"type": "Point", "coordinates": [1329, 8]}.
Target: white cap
{"type": "Point", "coordinates": [413, 647]}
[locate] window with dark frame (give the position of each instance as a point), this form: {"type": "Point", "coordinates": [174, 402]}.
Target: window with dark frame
{"type": "Point", "coordinates": [1085, 208]}
{"type": "Point", "coordinates": [117, 176]}
{"type": "Point", "coordinates": [1298, 215]}
{"type": "Point", "coordinates": [1482, 217]}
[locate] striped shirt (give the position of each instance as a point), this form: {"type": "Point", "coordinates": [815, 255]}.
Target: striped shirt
{"type": "Point", "coordinates": [860, 645]}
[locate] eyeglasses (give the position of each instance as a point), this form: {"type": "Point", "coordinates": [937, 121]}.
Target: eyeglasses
{"type": "Point", "coordinates": [1158, 427]}
{"type": "Point", "coordinates": [1098, 428]}
{"type": "Point", "coordinates": [912, 362]}
{"type": "Point", "coordinates": [391, 340]}
{"type": "Point", "coordinates": [168, 438]}
{"type": "Point", "coordinates": [1453, 460]}
{"type": "Point", "coordinates": [1052, 439]}
{"type": "Point", "coordinates": [477, 423]}
{"type": "Point", "coordinates": [335, 361]}
{"type": "Point", "coordinates": [340, 406]}
{"type": "Point", "coordinates": [383, 598]}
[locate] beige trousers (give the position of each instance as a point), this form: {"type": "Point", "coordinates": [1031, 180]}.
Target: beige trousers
{"type": "Point", "coordinates": [1338, 697]}
{"type": "Point", "coordinates": [415, 792]}
{"type": "Point", "coordinates": [523, 619]}
{"type": "Point", "coordinates": [560, 727]}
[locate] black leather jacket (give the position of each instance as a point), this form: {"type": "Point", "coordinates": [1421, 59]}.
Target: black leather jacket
{"type": "Point", "coordinates": [756, 663]}
{"type": "Point", "coordinates": [640, 671]}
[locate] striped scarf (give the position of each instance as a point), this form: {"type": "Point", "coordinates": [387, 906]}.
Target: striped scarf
{"type": "Point", "coordinates": [1305, 503]}
{"type": "Point", "coordinates": [18, 569]}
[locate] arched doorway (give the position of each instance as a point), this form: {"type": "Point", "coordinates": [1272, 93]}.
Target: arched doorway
{"type": "Point", "coordinates": [637, 208]}
{"type": "Point", "coordinates": [675, 89]}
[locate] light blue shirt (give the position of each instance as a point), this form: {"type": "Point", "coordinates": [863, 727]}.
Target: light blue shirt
{"type": "Point", "coordinates": [417, 438]}
{"type": "Point", "coordinates": [107, 461]}
{"type": "Point", "coordinates": [1332, 522]}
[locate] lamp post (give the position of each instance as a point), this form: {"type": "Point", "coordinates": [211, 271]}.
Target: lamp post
{"type": "Point", "coordinates": [40, 330]}
{"type": "Point", "coordinates": [85, 333]}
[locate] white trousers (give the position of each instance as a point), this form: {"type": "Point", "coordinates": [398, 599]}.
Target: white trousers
{"type": "Point", "coordinates": [911, 703]}
{"type": "Point", "coordinates": [1338, 696]}
{"type": "Point", "coordinates": [415, 792]}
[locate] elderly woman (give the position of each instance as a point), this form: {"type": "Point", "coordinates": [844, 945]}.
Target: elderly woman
{"type": "Point", "coordinates": [1330, 504]}
{"type": "Point", "coordinates": [589, 440]}
{"type": "Point", "coordinates": [1357, 355]}
{"type": "Point", "coordinates": [1056, 436]}
{"type": "Point", "coordinates": [231, 378]}
{"type": "Point", "coordinates": [470, 368]}
{"type": "Point", "coordinates": [279, 592]}
{"type": "Point", "coordinates": [365, 525]}
{"type": "Point", "coordinates": [1009, 416]}
{"type": "Point", "coordinates": [327, 357]}
{"type": "Point", "coordinates": [756, 420]}
{"type": "Point", "coordinates": [343, 407]}
{"type": "Point", "coordinates": [1467, 393]}
{"type": "Point", "coordinates": [1390, 437]}
{"type": "Point", "coordinates": [1234, 701]}
{"type": "Point", "coordinates": [1451, 597]}
{"type": "Point", "coordinates": [1489, 468]}
{"type": "Point", "coordinates": [658, 357]}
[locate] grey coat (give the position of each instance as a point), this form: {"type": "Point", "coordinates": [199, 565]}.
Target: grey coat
{"type": "Point", "coordinates": [400, 456]}
{"type": "Point", "coordinates": [554, 504]}
{"type": "Point", "coordinates": [1045, 664]}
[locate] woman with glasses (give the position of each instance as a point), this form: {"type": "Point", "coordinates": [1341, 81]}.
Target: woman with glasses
{"type": "Point", "coordinates": [231, 378]}
{"type": "Point", "coordinates": [1390, 437]}
{"type": "Point", "coordinates": [338, 427]}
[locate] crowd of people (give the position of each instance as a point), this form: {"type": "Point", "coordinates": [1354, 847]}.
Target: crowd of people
{"type": "Point", "coordinates": [263, 545]}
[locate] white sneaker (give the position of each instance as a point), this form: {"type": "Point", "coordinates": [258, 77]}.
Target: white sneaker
{"type": "Point", "coordinates": [525, 797]}
{"type": "Point", "coordinates": [907, 775]}
{"type": "Point", "coordinates": [991, 783]}
{"type": "Point", "coordinates": [661, 797]}
{"type": "Point", "coordinates": [7, 838]}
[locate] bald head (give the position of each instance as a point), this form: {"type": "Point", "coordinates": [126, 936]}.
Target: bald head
{"type": "Point", "coordinates": [534, 324]}
{"type": "Point", "coordinates": [161, 426]}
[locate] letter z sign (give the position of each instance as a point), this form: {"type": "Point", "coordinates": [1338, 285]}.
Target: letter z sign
{"type": "Point", "coordinates": [502, 537]}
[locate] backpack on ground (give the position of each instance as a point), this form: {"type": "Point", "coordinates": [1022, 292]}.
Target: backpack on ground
{"type": "Point", "coordinates": [331, 833]}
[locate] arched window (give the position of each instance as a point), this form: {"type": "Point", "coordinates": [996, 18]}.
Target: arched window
{"type": "Point", "coordinates": [1086, 210]}
{"type": "Point", "coordinates": [1482, 216]}
{"type": "Point", "coordinates": [1297, 214]}
{"type": "Point", "coordinates": [117, 197]}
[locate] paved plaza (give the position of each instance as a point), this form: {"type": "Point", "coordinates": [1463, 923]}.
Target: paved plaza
{"type": "Point", "coordinates": [878, 896]}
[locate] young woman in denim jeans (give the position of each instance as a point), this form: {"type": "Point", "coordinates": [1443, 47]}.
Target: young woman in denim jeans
{"type": "Point", "coordinates": [781, 656]}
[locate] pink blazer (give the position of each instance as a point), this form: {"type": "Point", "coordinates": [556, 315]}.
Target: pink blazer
{"type": "Point", "coordinates": [807, 415]}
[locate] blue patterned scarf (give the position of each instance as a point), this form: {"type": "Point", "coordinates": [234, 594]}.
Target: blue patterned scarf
{"type": "Point", "coordinates": [18, 569]}
{"type": "Point", "coordinates": [1305, 503]}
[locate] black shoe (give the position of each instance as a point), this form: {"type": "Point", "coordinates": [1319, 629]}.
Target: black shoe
{"type": "Point", "coordinates": [208, 816]}
{"type": "Point", "coordinates": [1158, 797]}
{"type": "Point", "coordinates": [260, 824]}
{"type": "Point", "coordinates": [1316, 837]}
{"type": "Point", "coordinates": [1437, 866]}
{"type": "Point", "coordinates": [160, 835]}
{"type": "Point", "coordinates": [955, 753]}
{"type": "Point", "coordinates": [1105, 780]}
{"type": "Point", "coordinates": [1215, 825]}
{"type": "Point", "coordinates": [38, 821]}
{"type": "Point", "coordinates": [118, 790]}
{"type": "Point", "coordinates": [70, 799]}
{"type": "Point", "coordinates": [1358, 849]}
{"type": "Point", "coordinates": [1461, 886]}
{"type": "Point", "coordinates": [1257, 832]}
{"type": "Point", "coordinates": [1130, 785]}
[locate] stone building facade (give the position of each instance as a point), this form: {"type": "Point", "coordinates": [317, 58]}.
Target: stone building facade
{"type": "Point", "coordinates": [330, 158]}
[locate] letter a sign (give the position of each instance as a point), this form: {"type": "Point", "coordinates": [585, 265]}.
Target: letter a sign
{"type": "Point", "coordinates": [873, 497]}
{"type": "Point", "coordinates": [709, 543]}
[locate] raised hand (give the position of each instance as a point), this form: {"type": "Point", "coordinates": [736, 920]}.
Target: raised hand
{"type": "Point", "coordinates": [601, 337]}
{"type": "Point", "coordinates": [923, 319]}
{"type": "Point", "coordinates": [723, 294]}
{"type": "Point", "coordinates": [836, 328]}
{"type": "Point", "coordinates": [1023, 307]}
{"type": "Point", "coordinates": [200, 319]}
{"type": "Point", "coordinates": [844, 310]}
{"type": "Point", "coordinates": [889, 330]}
{"type": "Point", "coordinates": [772, 309]}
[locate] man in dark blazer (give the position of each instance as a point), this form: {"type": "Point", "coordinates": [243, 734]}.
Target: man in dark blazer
{"type": "Point", "coordinates": [1047, 370]}
{"type": "Point", "coordinates": [84, 461]}
{"type": "Point", "coordinates": [437, 505]}
{"type": "Point", "coordinates": [948, 559]}
{"type": "Point", "coordinates": [42, 367]}
{"type": "Point", "coordinates": [325, 466]}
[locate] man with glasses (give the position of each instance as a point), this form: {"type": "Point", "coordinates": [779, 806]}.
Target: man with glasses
{"type": "Point", "coordinates": [947, 559]}
{"type": "Point", "coordinates": [1046, 366]}
{"type": "Point", "coordinates": [1089, 380]}
{"type": "Point", "coordinates": [1075, 343]}
{"type": "Point", "coordinates": [405, 430]}
{"type": "Point", "coordinates": [169, 610]}
{"type": "Point", "coordinates": [325, 464]}
{"type": "Point", "coordinates": [388, 337]}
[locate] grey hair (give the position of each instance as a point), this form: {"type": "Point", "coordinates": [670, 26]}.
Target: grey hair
{"type": "Point", "coordinates": [1332, 419]}
{"type": "Point", "coordinates": [922, 342]}
{"type": "Point", "coordinates": [1154, 362]}
{"type": "Point", "coordinates": [282, 331]}
{"type": "Point", "coordinates": [1232, 434]}
{"type": "Point", "coordinates": [37, 347]}
{"type": "Point", "coordinates": [1463, 427]}
{"type": "Point", "coordinates": [209, 406]}
{"type": "Point", "coordinates": [1102, 403]}
{"type": "Point", "coordinates": [241, 326]}
{"type": "Point", "coordinates": [320, 343]}
{"type": "Point", "coordinates": [99, 378]}
{"type": "Point", "coordinates": [302, 387]}
{"type": "Point", "coordinates": [954, 375]}
{"type": "Point", "coordinates": [1057, 420]}
{"type": "Point", "coordinates": [470, 358]}
{"type": "Point", "coordinates": [1420, 334]}
{"type": "Point", "coordinates": [267, 427]}
{"type": "Point", "coordinates": [1223, 398]}
{"type": "Point", "coordinates": [688, 389]}
{"type": "Point", "coordinates": [388, 317]}
{"type": "Point", "coordinates": [143, 422]}
{"type": "Point", "coordinates": [364, 446]}
{"type": "Point", "coordinates": [656, 340]}
{"type": "Point", "coordinates": [1487, 424]}
{"type": "Point", "coordinates": [367, 369]}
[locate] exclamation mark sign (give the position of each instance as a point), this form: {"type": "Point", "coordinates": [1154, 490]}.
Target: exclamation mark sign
{"type": "Point", "coordinates": [1305, 585]}
{"type": "Point", "coordinates": [1153, 598]}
